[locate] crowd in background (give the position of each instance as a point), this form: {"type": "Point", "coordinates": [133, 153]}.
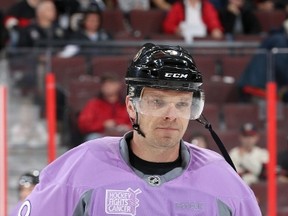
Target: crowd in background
{"type": "Point", "coordinates": [28, 22]}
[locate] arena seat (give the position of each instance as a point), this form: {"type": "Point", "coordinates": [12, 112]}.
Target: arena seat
{"type": "Point", "coordinates": [282, 116]}
{"type": "Point", "coordinates": [67, 69]}
{"type": "Point", "coordinates": [234, 65]}
{"type": "Point", "coordinates": [270, 20]}
{"type": "Point", "coordinates": [281, 139]}
{"type": "Point", "coordinates": [249, 38]}
{"type": "Point", "coordinates": [230, 138]}
{"type": "Point", "coordinates": [211, 113]}
{"type": "Point", "coordinates": [260, 190]}
{"type": "Point", "coordinates": [147, 22]}
{"type": "Point", "coordinates": [81, 90]}
{"type": "Point", "coordinates": [224, 64]}
{"type": "Point", "coordinates": [113, 21]}
{"type": "Point", "coordinates": [236, 114]}
{"type": "Point", "coordinates": [220, 92]}
{"type": "Point", "coordinates": [110, 64]}
{"type": "Point", "coordinates": [5, 5]}
{"type": "Point", "coordinates": [165, 37]}
{"type": "Point", "coordinates": [206, 65]}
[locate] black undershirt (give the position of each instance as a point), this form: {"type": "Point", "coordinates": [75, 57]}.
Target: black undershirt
{"type": "Point", "coordinates": [152, 168]}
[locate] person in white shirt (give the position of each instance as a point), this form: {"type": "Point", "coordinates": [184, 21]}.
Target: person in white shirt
{"type": "Point", "coordinates": [248, 158]}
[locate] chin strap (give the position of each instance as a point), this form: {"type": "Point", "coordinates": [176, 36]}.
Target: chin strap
{"type": "Point", "coordinates": [135, 124]}
{"type": "Point", "coordinates": [202, 120]}
{"type": "Point", "coordinates": [137, 128]}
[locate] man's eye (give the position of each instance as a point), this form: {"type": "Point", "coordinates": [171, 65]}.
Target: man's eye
{"type": "Point", "coordinates": [158, 103]}
{"type": "Point", "coordinates": [181, 105]}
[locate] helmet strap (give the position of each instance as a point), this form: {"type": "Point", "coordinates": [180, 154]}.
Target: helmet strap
{"type": "Point", "coordinates": [136, 127]}
{"type": "Point", "coordinates": [202, 120]}
{"type": "Point", "coordinates": [135, 123]}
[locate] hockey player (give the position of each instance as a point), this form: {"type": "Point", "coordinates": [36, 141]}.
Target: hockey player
{"type": "Point", "coordinates": [26, 184]}
{"type": "Point", "coordinates": [150, 170]}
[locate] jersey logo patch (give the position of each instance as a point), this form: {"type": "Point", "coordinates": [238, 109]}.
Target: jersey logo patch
{"type": "Point", "coordinates": [154, 180]}
{"type": "Point", "coordinates": [25, 209]}
{"type": "Point", "coordinates": [122, 202]}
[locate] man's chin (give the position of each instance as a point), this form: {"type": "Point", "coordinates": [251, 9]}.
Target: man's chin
{"type": "Point", "coordinates": [169, 140]}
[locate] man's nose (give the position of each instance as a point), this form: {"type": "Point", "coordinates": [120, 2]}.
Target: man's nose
{"type": "Point", "coordinates": [171, 112]}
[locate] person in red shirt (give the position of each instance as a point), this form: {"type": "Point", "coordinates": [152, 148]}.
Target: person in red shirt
{"type": "Point", "coordinates": [105, 114]}
{"type": "Point", "coordinates": [193, 18]}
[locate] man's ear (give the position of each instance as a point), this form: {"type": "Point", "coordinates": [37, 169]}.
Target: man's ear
{"type": "Point", "coordinates": [130, 108]}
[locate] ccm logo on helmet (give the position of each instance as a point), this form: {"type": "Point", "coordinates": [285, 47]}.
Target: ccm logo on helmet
{"type": "Point", "coordinates": [176, 75]}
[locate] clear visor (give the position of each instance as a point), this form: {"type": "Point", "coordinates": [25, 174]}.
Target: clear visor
{"type": "Point", "coordinates": [189, 106]}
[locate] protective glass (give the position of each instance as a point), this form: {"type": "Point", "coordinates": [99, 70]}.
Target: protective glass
{"type": "Point", "coordinates": [177, 107]}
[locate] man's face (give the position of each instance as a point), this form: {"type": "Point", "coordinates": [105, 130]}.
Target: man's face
{"type": "Point", "coordinates": [47, 11]}
{"type": "Point", "coordinates": [163, 115]}
{"type": "Point", "coordinates": [110, 88]}
{"type": "Point", "coordinates": [92, 22]}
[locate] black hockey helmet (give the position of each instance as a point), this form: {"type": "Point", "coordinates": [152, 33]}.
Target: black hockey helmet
{"type": "Point", "coordinates": [165, 67]}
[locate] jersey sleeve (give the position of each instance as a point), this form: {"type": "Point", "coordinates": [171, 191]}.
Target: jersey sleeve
{"type": "Point", "coordinates": [248, 207]}
{"type": "Point", "coordinates": [243, 205]}
{"type": "Point", "coordinates": [50, 200]}
{"type": "Point", "coordinates": [60, 186]}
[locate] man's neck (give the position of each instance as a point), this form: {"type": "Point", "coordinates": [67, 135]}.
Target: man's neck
{"type": "Point", "coordinates": [153, 168]}
{"type": "Point", "coordinates": [153, 153]}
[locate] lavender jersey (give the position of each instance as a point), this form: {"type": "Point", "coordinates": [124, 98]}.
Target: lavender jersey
{"type": "Point", "coordinates": [96, 179]}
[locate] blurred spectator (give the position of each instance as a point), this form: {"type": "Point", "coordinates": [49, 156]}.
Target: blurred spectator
{"type": "Point", "coordinates": [200, 140]}
{"type": "Point", "coordinates": [107, 113]}
{"type": "Point", "coordinates": [252, 82]}
{"type": "Point", "coordinates": [20, 15]}
{"type": "Point", "coordinates": [90, 31]}
{"type": "Point", "coordinates": [71, 12]}
{"type": "Point", "coordinates": [238, 20]}
{"type": "Point", "coordinates": [249, 159]}
{"type": "Point", "coordinates": [163, 4]}
{"type": "Point", "coordinates": [65, 10]}
{"type": "Point", "coordinates": [91, 28]}
{"type": "Point", "coordinates": [282, 163]}
{"type": "Point", "coordinates": [26, 184]}
{"type": "Point", "coordinates": [193, 18]}
{"type": "Point", "coordinates": [44, 29]}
